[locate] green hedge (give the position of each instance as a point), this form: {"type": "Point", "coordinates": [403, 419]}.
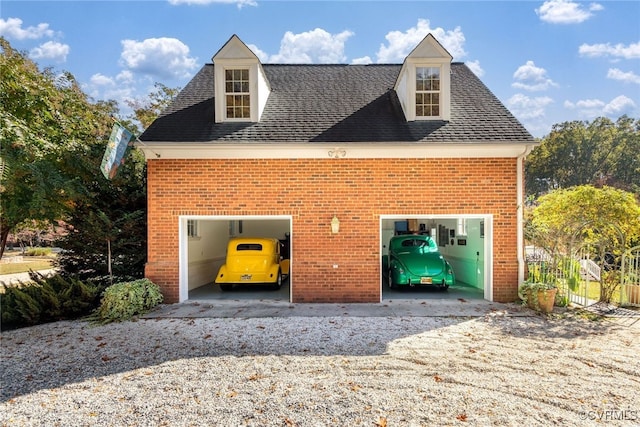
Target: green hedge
{"type": "Point", "coordinates": [46, 299]}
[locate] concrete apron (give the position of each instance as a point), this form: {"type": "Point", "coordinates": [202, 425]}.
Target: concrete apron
{"type": "Point", "coordinates": [391, 308]}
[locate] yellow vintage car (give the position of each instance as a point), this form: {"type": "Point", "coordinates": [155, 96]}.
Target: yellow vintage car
{"type": "Point", "coordinates": [253, 260]}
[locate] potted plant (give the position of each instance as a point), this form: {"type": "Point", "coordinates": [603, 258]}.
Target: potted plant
{"type": "Point", "coordinates": [539, 296]}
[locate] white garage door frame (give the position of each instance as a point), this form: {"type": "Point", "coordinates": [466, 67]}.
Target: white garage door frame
{"type": "Point", "coordinates": [183, 244]}
{"type": "Point", "coordinates": [488, 243]}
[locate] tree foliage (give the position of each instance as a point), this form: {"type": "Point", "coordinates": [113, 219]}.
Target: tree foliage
{"type": "Point", "coordinates": [53, 139]}
{"type": "Point", "coordinates": [46, 124]}
{"type": "Point", "coordinates": [147, 110]}
{"type": "Point", "coordinates": [602, 216]}
{"type": "Point", "coordinates": [581, 153]}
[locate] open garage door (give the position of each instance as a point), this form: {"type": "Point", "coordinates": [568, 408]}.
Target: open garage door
{"type": "Point", "coordinates": [463, 240]}
{"type": "Point", "coordinates": [203, 249]}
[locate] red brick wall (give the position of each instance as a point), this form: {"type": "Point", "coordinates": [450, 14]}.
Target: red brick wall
{"type": "Point", "coordinates": [312, 191]}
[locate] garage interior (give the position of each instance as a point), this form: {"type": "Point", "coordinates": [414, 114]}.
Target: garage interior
{"type": "Point", "coordinates": [207, 248]}
{"type": "Point", "coordinates": [461, 240]}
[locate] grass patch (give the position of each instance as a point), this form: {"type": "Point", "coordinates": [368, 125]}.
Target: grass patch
{"type": "Point", "coordinates": [24, 267]}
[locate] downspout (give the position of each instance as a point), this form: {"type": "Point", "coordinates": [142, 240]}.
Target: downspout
{"type": "Point", "coordinates": [520, 210]}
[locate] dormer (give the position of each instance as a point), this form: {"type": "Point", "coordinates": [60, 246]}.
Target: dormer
{"type": "Point", "coordinates": [424, 83]}
{"type": "Point", "coordinates": [241, 86]}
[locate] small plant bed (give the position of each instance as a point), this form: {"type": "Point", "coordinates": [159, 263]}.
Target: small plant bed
{"type": "Point", "coordinates": [539, 296]}
{"type": "Point", "coordinates": [46, 299]}
{"type": "Point", "coordinates": [126, 300]}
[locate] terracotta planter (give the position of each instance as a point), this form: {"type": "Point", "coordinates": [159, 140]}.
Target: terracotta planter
{"type": "Point", "coordinates": [545, 301]}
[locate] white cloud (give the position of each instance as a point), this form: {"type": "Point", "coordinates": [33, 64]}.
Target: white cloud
{"type": "Point", "coordinates": [50, 50]}
{"type": "Point", "coordinates": [475, 67]}
{"type": "Point", "coordinates": [400, 44]}
{"type": "Point", "coordinates": [532, 78]}
{"type": "Point", "coordinates": [591, 108]}
{"type": "Point", "coordinates": [632, 51]}
{"type": "Point", "coordinates": [524, 107]}
{"type": "Point", "coordinates": [316, 46]}
{"type": "Point", "coordinates": [566, 11]}
{"type": "Point", "coordinates": [262, 55]}
{"type": "Point", "coordinates": [162, 57]}
{"type": "Point", "coordinates": [585, 104]}
{"type": "Point", "coordinates": [239, 3]}
{"type": "Point", "coordinates": [125, 77]}
{"type": "Point", "coordinates": [12, 29]}
{"type": "Point", "coordinates": [101, 80]}
{"type": "Point", "coordinates": [619, 106]}
{"type": "Point", "coordinates": [365, 60]}
{"type": "Point", "coordinates": [627, 77]}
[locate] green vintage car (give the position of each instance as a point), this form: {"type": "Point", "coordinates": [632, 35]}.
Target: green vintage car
{"type": "Point", "coordinates": [414, 260]}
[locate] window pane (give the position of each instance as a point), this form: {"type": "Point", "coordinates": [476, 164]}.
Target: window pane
{"type": "Point", "coordinates": [237, 93]}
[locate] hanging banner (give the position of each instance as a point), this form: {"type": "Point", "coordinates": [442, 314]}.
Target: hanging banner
{"type": "Point", "coordinates": [115, 151]}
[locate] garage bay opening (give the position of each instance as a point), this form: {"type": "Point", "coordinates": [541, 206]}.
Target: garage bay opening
{"type": "Point", "coordinates": [207, 274]}
{"type": "Point", "coordinates": [435, 257]}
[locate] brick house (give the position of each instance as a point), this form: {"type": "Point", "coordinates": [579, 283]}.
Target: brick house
{"type": "Point", "coordinates": [280, 150]}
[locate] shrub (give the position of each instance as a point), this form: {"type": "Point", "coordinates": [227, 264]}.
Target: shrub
{"type": "Point", "coordinates": [125, 300]}
{"type": "Point", "coordinates": [46, 299]}
{"type": "Point", "coordinates": [38, 252]}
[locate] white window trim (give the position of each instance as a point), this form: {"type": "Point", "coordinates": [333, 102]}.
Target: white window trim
{"type": "Point", "coordinates": [462, 227]}
{"type": "Point", "coordinates": [220, 82]}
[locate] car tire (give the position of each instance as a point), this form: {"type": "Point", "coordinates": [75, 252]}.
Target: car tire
{"type": "Point", "coordinates": [390, 279]}
{"type": "Point", "coordinates": [226, 287]}
{"type": "Point", "coordinates": [444, 287]}
{"type": "Point", "coordinates": [278, 284]}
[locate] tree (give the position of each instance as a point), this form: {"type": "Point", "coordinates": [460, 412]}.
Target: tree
{"type": "Point", "coordinates": [147, 110]}
{"type": "Point", "coordinates": [561, 214]}
{"type": "Point", "coordinates": [111, 218]}
{"type": "Point", "coordinates": [46, 121]}
{"type": "Point", "coordinates": [606, 219]}
{"type": "Point", "coordinates": [579, 153]}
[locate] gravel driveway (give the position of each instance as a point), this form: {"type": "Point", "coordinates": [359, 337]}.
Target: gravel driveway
{"type": "Point", "coordinates": [323, 371]}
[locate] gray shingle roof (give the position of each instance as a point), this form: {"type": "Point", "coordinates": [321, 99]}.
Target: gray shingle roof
{"type": "Point", "coordinates": [338, 103]}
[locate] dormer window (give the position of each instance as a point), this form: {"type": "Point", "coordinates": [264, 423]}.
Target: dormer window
{"type": "Point", "coordinates": [427, 91]}
{"type": "Point", "coordinates": [237, 94]}
{"type": "Point", "coordinates": [240, 85]}
{"type": "Point", "coordinates": [423, 85]}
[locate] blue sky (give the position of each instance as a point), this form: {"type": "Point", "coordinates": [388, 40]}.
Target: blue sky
{"type": "Point", "coordinates": [547, 61]}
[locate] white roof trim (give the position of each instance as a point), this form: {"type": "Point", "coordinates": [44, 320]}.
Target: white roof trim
{"type": "Point", "coordinates": [167, 150]}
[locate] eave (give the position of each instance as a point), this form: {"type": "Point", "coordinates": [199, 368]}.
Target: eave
{"type": "Point", "coordinates": [498, 149]}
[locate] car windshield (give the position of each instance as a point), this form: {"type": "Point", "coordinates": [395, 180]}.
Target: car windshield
{"type": "Point", "coordinates": [416, 245]}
